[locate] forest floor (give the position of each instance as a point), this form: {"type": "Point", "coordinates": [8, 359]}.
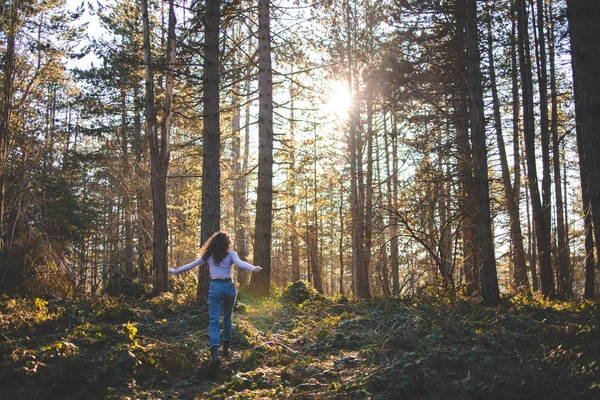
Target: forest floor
{"type": "Point", "coordinates": [429, 347]}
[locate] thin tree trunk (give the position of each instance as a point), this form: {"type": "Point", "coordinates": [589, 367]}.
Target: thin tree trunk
{"type": "Point", "coordinates": [544, 128]}
{"type": "Point", "coordinates": [565, 286]}
{"type": "Point", "coordinates": [239, 190]}
{"type": "Point", "coordinates": [391, 176]}
{"type": "Point", "coordinates": [590, 264]}
{"type": "Point", "coordinates": [244, 276]}
{"type": "Point", "coordinates": [159, 159]}
{"type": "Point", "coordinates": [360, 271]}
{"type": "Point", "coordinates": [369, 179]}
{"type": "Point", "coordinates": [239, 196]}
{"type": "Point", "coordinates": [129, 271]}
{"type": "Point", "coordinates": [341, 246]}
{"type": "Point", "coordinates": [542, 227]}
{"type": "Point", "coordinates": [465, 167]}
{"type": "Point", "coordinates": [291, 191]}
{"type": "Point", "coordinates": [5, 132]}
{"type": "Point", "coordinates": [394, 241]}
{"type": "Point", "coordinates": [313, 243]}
{"type": "Point", "coordinates": [144, 222]}
{"type": "Point", "coordinates": [260, 283]}
{"type": "Point", "coordinates": [520, 280]}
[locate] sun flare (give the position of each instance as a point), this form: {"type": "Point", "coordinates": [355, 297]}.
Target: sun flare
{"type": "Point", "coordinates": [339, 99]}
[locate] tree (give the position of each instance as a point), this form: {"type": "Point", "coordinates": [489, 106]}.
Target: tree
{"type": "Point", "coordinates": [540, 217]}
{"type": "Point", "coordinates": [260, 283]}
{"type": "Point", "coordinates": [585, 59]}
{"type": "Point", "coordinates": [41, 176]}
{"type": "Point", "coordinates": [520, 280]}
{"type": "Point", "coordinates": [159, 146]}
{"type": "Point", "coordinates": [565, 284]}
{"type": "Point", "coordinates": [211, 135]}
{"type": "Point", "coordinates": [485, 238]}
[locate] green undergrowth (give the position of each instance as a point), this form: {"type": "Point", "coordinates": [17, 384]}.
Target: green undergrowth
{"type": "Point", "coordinates": [301, 345]}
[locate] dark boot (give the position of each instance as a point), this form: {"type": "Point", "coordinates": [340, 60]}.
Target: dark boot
{"type": "Point", "coordinates": [225, 348]}
{"type": "Point", "coordinates": [212, 371]}
{"type": "Point", "coordinates": [214, 351]}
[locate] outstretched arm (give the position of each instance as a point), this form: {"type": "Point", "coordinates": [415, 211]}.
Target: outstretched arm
{"type": "Point", "coordinates": [187, 266]}
{"type": "Point", "coordinates": [243, 264]}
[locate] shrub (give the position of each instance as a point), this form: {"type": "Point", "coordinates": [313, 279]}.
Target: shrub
{"type": "Point", "coordinates": [298, 292]}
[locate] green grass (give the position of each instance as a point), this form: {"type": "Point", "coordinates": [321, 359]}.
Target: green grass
{"type": "Point", "coordinates": [431, 347]}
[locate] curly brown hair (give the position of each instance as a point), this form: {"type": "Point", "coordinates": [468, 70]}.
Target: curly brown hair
{"type": "Point", "coordinates": [217, 246]}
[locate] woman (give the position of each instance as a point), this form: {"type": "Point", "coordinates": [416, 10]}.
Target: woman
{"type": "Point", "coordinates": [221, 291]}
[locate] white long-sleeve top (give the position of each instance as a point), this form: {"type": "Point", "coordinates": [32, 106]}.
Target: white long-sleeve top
{"type": "Point", "coordinates": [217, 270]}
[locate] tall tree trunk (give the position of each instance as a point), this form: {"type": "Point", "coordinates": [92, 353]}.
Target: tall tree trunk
{"type": "Point", "coordinates": [360, 270]}
{"type": "Point", "coordinates": [544, 128]}
{"type": "Point", "coordinates": [565, 285]}
{"type": "Point", "coordinates": [514, 74]}
{"type": "Point", "coordinates": [313, 231]}
{"type": "Point", "coordinates": [239, 186]}
{"type": "Point", "coordinates": [129, 271]}
{"type": "Point", "coordinates": [391, 172]}
{"type": "Point", "coordinates": [590, 264]}
{"type": "Point", "coordinates": [239, 196]}
{"type": "Point", "coordinates": [542, 227]}
{"type": "Point", "coordinates": [583, 16]}
{"type": "Point", "coordinates": [260, 283]}
{"type": "Point", "coordinates": [341, 246]}
{"type": "Point", "coordinates": [211, 137]}
{"type": "Point", "coordinates": [159, 156]}
{"type": "Point", "coordinates": [313, 257]}
{"type": "Point", "coordinates": [291, 190]}
{"type": "Point", "coordinates": [465, 166]}
{"type": "Point", "coordinates": [10, 30]}
{"type": "Point", "coordinates": [144, 222]}
{"type": "Point", "coordinates": [394, 240]}
{"type": "Point", "coordinates": [244, 276]}
{"type": "Point", "coordinates": [485, 240]}
{"type": "Point", "coordinates": [379, 221]}
{"type": "Point", "coordinates": [369, 179]}
{"type": "Point", "coordinates": [520, 280]}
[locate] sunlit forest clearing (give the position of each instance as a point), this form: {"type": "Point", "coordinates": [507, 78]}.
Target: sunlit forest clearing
{"type": "Point", "coordinates": [409, 191]}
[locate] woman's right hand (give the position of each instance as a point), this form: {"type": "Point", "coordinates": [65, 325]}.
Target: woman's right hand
{"type": "Point", "coordinates": [258, 268]}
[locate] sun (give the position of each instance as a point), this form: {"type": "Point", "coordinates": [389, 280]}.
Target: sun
{"type": "Point", "coordinates": [339, 99]}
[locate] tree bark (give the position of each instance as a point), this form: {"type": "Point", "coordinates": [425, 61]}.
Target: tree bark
{"type": "Point", "coordinates": [391, 172]}
{"type": "Point", "coordinates": [520, 280]}
{"type": "Point", "coordinates": [485, 240]}
{"type": "Point", "coordinates": [127, 183]}
{"type": "Point", "coordinates": [565, 284]}
{"type": "Point", "coordinates": [211, 137]}
{"type": "Point", "coordinates": [465, 165]}
{"type": "Point", "coordinates": [542, 226]}
{"type": "Point", "coordinates": [260, 283]}
{"type": "Point", "coordinates": [583, 17]}
{"type": "Point", "coordinates": [5, 130]}
{"type": "Point", "coordinates": [144, 222]}
{"type": "Point", "coordinates": [159, 154]}
{"type": "Point", "coordinates": [544, 128]}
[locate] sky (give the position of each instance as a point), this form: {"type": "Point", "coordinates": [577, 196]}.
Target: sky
{"type": "Point", "coordinates": [94, 29]}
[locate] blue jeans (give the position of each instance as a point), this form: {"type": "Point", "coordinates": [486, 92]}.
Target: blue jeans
{"type": "Point", "coordinates": [221, 297]}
